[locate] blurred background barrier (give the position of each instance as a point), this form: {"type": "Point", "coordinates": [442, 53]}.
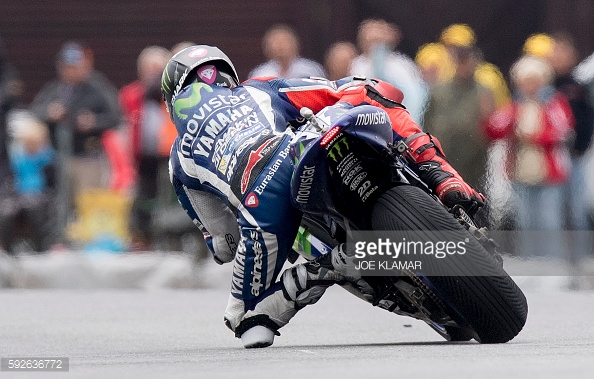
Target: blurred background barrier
{"type": "Point", "coordinates": [78, 270]}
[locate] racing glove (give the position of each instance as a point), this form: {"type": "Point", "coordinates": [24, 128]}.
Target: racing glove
{"type": "Point", "coordinates": [428, 160]}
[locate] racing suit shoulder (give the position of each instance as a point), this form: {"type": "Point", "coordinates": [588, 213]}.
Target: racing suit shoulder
{"type": "Point", "coordinates": [216, 127]}
{"type": "Point", "coordinates": [293, 94]}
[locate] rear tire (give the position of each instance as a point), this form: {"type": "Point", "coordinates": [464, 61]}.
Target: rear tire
{"type": "Point", "coordinates": [493, 306]}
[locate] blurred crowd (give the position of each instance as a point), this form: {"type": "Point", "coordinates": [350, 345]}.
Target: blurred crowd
{"type": "Point", "coordinates": [520, 137]}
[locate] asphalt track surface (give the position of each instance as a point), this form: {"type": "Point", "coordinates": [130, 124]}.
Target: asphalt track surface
{"type": "Point", "coordinates": [180, 334]}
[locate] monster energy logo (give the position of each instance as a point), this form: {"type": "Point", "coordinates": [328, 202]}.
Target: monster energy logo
{"type": "Point", "coordinates": [190, 101]}
{"type": "Point", "coordinates": [336, 151]}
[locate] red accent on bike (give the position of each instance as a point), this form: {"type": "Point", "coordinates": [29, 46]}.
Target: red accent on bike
{"type": "Point", "coordinates": [331, 134]}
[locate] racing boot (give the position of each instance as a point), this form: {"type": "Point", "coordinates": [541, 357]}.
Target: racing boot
{"type": "Point", "coordinates": [299, 286]}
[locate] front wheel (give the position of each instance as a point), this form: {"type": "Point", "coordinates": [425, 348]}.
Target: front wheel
{"type": "Point", "coordinates": [493, 306]}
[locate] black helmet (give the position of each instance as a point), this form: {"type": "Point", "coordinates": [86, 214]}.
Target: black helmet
{"type": "Point", "coordinates": [199, 63]}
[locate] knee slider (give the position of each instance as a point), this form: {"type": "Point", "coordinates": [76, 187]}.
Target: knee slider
{"type": "Point", "coordinates": [299, 287]}
{"type": "Point", "coordinates": [310, 296]}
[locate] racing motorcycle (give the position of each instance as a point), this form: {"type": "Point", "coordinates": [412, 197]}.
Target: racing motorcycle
{"type": "Point", "coordinates": [350, 174]}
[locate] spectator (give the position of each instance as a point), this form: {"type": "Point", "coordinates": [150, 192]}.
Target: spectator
{"type": "Point", "coordinates": [151, 136]}
{"type": "Point", "coordinates": [563, 60]}
{"type": "Point", "coordinates": [539, 45]}
{"type": "Point", "coordinates": [486, 73]}
{"type": "Point", "coordinates": [434, 63]}
{"type": "Point", "coordinates": [338, 59]}
{"type": "Point", "coordinates": [122, 174]}
{"type": "Point", "coordinates": [78, 110]}
{"type": "Point", "coordinates": [281, 47]}
{"type": "Point", "coordinates": [584, 74]}
{"type": "Point", "coordinates": [32, 162]}
{"type": "Point", "coordinates": [10, 92]}
{"type": "Point", "coordinates": [456, 111]}
{"type": "Point", "coordinates": [98, 80]}
{"type": "Point", "coordinates": [377, 40]}
{"type": "Point", "coordinates": [537, 125]}
{"type": "Point", "coordinates": [462, 35]}
{"type": "Point", "coordinates": [150, 64]}
{"type": "Point", "coordinates": [180, 46]}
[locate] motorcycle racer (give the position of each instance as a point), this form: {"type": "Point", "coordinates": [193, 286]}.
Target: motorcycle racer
{"type": "Point", "coordinates": [231, 171]}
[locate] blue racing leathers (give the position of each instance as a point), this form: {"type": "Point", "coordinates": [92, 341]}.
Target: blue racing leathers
{"type": "Point", "coordinates": [231, 170]}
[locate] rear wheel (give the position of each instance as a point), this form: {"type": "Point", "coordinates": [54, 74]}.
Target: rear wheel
{"type": "Point", "coordinates": [491, 305]}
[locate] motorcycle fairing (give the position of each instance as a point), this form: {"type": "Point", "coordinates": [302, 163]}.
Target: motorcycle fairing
{"type": "Point", "coordinates": [337, 174]}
